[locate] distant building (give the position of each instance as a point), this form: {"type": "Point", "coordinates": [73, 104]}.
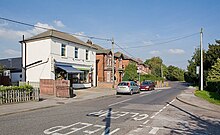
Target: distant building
{"type": "Point", "coordinates": [12, 68]}
{"type": "Point", "coordinates": [58, 55]}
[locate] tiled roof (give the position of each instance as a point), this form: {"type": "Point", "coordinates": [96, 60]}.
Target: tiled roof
{"type": "Point", "coordinates": [59, 35]}
{"type": "Point", "coordinates": [11, 63]}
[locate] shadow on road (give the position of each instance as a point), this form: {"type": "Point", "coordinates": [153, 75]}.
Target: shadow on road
{"type": "Point", "coordinates": [108, 122]}
{"type": "Point", "coordinates": [196, 125]}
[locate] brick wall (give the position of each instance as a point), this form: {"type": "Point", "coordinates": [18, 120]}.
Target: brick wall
{"type": "Point", "coordinates": [47, 86]}
{"type": "Point", "coordinates": [58, 88]}
{"type": "Point", "coordinates": [105, 85]}
{"type": "Point", "coordinates": [100, 68]}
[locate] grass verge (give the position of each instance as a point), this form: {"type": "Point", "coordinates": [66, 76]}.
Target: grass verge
{"type": "Point", "coordinates": [211, 97]}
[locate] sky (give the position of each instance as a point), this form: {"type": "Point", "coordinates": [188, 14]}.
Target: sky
{"type": "Point", "coordinates": [169, 29]}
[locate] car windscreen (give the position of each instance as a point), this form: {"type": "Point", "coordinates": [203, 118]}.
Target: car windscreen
{"type": "Point", "coordinates": [123, 84]}
{"type": "Point", "coordinates": [145, 83]}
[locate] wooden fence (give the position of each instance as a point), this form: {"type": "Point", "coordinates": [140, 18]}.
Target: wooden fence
{"type": "Point", "coordinates": [13, 96]}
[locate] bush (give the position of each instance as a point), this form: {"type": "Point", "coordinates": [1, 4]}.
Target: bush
{"type": "Point", "coordinates": [150, 77]}
{"type": "Point", "coordinates": [213, 86]}
{"type": "Point", "coordinates": [28, 88]}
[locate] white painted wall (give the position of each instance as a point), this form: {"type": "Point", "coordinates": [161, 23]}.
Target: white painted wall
{"type": "Point", "coordinates": [48, 49]}
{"type": "Point", "coordinates": [15, 77]}
{"type": "Point", "coordinates": [38, 50]}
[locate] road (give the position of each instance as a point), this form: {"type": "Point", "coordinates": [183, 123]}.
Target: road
{"type": "Point", "coordinates": [113, 115]}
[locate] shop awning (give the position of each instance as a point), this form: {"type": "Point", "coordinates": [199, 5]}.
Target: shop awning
{"type": "Point", "coordinates": [69, 69]}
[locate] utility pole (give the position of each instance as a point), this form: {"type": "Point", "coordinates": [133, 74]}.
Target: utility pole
{"type": "Point", "coordinates": [201, 54]}
{"type": "Point", "coordinates": [161, 68]}
{"type": "Point", "coordinates": [113, 64]}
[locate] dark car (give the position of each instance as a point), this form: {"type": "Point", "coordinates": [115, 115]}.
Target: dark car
{"type": "Point", "coordinates": [147, 85]}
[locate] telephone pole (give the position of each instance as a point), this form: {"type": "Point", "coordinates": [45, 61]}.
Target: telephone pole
{"type": "Point", "coordinates": [113, 64]}
{"type": "Point", "coordinates": [201, 54]}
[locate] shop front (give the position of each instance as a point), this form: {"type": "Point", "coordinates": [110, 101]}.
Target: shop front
{"type": "Point", "coordinates": [79, 76]}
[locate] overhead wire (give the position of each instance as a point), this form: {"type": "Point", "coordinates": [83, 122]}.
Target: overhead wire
{"type": "Point", "coordinates": [36, 26]}
{"type": "Point", "coordinates": [154, 44]}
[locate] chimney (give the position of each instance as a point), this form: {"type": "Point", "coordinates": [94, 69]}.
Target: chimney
{"type": "Point", "coordinates": [89, 42]}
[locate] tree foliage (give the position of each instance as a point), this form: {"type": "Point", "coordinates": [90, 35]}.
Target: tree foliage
{"type": "Point", "coordinates": [214, 73]}
{"type": "Point", "coordinates": [155, 64]}
{"type": "Point", "coordinates": [175, 73]}
{"type": "Point", "coordinates": [130, 72]}
{"type": "Point", "coordinates": [209, 59]}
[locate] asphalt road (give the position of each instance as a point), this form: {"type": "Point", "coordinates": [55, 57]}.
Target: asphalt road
{"type": "Point", "coordinates": [111, 115]}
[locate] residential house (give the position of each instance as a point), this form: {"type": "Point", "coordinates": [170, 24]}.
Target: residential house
{"type": "Point", "coordinates": [103, 66]}
{"type": "Point", "coordinates": [143, 68]}
{"type": "Point", "coordinates": [12, 68]}
{"type": "Point", "coordinates": [58, 55]}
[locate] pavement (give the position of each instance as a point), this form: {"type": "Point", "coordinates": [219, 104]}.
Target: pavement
{"type": "Point", "coordinates": [85, 94]}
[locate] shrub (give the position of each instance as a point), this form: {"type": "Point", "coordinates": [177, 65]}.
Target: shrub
{"type": "Point", "coordinates": [213, 86]}
{"type": "Point", "coordinates": [28, 88]}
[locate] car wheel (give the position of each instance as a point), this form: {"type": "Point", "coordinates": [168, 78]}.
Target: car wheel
{"type": "Point", "coordinates": [131, 92]}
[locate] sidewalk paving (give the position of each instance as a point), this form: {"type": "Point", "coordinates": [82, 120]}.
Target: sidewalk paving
{"type": "Point", "coordinates": [51, 101]}
{"type": "Point", "coordinates": [187, 97]}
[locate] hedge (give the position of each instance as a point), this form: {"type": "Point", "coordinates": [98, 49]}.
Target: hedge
{"type": "Point", "coordinates": [213, 86]}
{"type": "Point", "coordinates": [24, 87]}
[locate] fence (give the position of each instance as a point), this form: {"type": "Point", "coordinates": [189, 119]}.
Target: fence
{"type": "Point", "coordinates": [13, 96]}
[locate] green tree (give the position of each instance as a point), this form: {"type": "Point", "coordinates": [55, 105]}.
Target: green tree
{"type": "Point", "coordinates": [155, 64]}
{"type": "Point", "coordinates": [214, 73]}
{"type": "Point", "coordinates": [212, 55]}
{"type": "Point", "coordinates": [175, 73]}
{"type": "Point", "coordinates": [130, 72]}
{"type": "Point", "coordinates": [191, 76]}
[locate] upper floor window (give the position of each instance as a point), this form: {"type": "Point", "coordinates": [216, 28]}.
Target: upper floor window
{"type": "Point", "coordinates": [76, 52]}
{"type": "Point", "coordinates": [87, 54]}
{"type": "Point", "coordinates": [63, 50]}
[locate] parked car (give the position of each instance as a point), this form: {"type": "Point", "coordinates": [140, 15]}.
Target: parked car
{"type": "Point", "coordinates": [147, 85]}
{"type": "Point", "coordinates": [129, 87]}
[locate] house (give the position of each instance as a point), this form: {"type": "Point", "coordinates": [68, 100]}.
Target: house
{"type": "Point", "coordinates": [58, 55]}
{"type": "Point", "coordinates": [12, 68]}
{"type": "Point", "coordinates": [143, 68]}
{"type": "Point", "coordinates": [103, 66]}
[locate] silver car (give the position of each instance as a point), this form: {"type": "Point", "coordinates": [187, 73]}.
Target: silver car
{"type": "Point", "coordinates": [127, 87]}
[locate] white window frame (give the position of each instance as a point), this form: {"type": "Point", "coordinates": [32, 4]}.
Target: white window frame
{"type": "Point", "coordinates": [63, 48]}
{"type": "Point", "coordinates": [76, 54]}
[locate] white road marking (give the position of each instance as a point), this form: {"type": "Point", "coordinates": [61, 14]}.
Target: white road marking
{"type": "Point", "coordinates": [142, 117]}
{"type": "Point", "coordinates": [146, 122]}
{"type": "Point", "coordinates": [138, 129]}
{"type": "Point", "coordinates": [111, 132]}
{"type": "Point", "coordinates": [162, 109]}
{"type": "Point", "coordinates": [120, 102]}
{"type": "Point", "coordinates": [154, 130]}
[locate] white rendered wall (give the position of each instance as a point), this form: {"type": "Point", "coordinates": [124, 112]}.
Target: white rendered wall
{"type": "Point", "coordinates": [38, 50]}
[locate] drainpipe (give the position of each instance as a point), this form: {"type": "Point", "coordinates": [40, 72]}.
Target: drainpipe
{"type": "Point", "coordinates": [25, 59]}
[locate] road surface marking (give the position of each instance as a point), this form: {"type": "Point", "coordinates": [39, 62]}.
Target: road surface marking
{"type": "Point", "coordinates": [112, 132]}
{"type": "Point", "coordinates": [79, 126]}
{"type": "Point", "coordinates": [162, 109]}
{"type": "Point", "coordinates": [146, 122]}
{"type": "Point", "coordinates": [120, 102]}
{"type": "Point", "coordinates": [154, 130]}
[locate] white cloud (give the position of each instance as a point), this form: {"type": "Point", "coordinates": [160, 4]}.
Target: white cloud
{"type": "Point", "coordinates": [155, 52]}
{"type": "Point", "coordinates": [11, 53]}
{"type": "Point", "coordinates": [80, 34]}
{"type": "Point", "coordinates": [17, 34]}
{"type": "Point", "coordinates": [58, 23]}
{"type": "Point", "coordinates": [176, 51]}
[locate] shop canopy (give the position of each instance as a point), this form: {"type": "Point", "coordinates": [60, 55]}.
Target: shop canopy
{"type": "Point", "coordinates": [69, 69]}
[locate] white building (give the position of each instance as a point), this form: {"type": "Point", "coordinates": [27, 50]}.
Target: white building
{"type": "Point", "coordinates": [57, 55]}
